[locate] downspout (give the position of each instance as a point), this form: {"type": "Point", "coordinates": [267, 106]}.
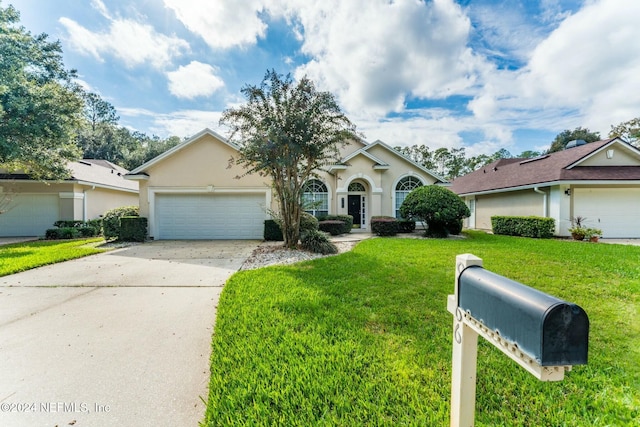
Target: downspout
{"type": "Point", "coordinates": [84, 203]}
{"type": "Point", "coordinates": [544, 205]}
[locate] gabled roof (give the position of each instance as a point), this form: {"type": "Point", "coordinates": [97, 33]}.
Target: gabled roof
{"type": "Point", "coordinates": [100, 173]}
{"type": "Point", "coordinates": [508, 174]}
{"type": "Point", "coordinates": [363, 152]}
{"type": "Point", "coordinates": [396, 153]}
{"type": "Point", "coordinates": [140, 170]}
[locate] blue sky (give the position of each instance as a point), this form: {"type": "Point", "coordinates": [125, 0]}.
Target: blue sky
{"type": "Point", "coordinates": [484, 75]}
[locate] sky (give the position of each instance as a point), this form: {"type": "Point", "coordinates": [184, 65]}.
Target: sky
{"type": "Point", "coordinates": [483, 75]}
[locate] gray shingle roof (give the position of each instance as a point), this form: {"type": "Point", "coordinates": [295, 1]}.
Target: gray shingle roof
{"type": "Point", "coordinates": [101, 172]}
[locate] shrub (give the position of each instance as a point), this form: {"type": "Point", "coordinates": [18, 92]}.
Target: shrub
{"type": "Point", "coordinates": [525, 226]}
{"type": "Point", "coordinates": [68, 223]}
{"type": "Point", "coordinates": [438, 206]}
{"type": "Point", "coordinates": [317, 242]}
{"type": "Point", "coordinates": [133, 229]}
{"type": "Point", "coordinates": [111, 220]}
{"type": "Point", "coordinates": [347, 219]}
{"type": "Point", "coordinates": [333, 227]}
{"type": "Point", "coordinates": [384, 225]}
{"type": "Point", "coordinates": [454, 227]}
{"type": "Point", "coordinates": [406, 226]}
{"type": "Point", "coordinates": [272, 231]}
{"type": "Point", "coordinates": [308, 223]}
{"type": "Point", "coordinates": [88, 231]}
{"type": "Point", "coordinates": [62, 233]}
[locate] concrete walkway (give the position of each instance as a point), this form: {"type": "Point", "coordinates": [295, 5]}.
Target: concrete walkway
{"type": "Point", "coordinates": [121, 338]}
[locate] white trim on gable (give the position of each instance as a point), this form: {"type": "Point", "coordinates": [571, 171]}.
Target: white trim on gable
{"type": "Point", "coordinates": [134, 174]}
{"type": "Point", "coordinates": [368, 155]}
{"type": "Point", "coordinates": [617, 141]}
{"type": "Point", "coordinates": [402, 156]}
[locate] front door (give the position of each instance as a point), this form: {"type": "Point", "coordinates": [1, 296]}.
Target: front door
{"type": "Point", "coordinates": [356, 209]}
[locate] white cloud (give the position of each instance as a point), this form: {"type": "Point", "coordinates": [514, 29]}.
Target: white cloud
{"type": "Point", "coordinates": [182, 123]}
{"type": "Point", "coordinates": [132, 42]}
{"type": "Point", "coordinates": [591, 63]}
{"type": "Point", "coordinates": [376, 54]}
{"type": "Point", "coordinates": [194, 80]}
{"type": "Point", "coordinates": [221, 23]}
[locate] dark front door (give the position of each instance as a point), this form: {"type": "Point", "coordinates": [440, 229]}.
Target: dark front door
{"type": "Point", "coordinates": [354, 208]}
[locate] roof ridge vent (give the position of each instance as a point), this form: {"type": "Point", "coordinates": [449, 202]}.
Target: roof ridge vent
{"type": "Point", "coordinates": [544, 156]}
{"type": "Point", "coordinates": [575, 143]}
{"type": "Point", "coordinates": [84, 163]}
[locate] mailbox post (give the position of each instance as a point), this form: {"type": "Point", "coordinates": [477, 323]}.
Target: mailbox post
{"type": "Point", "coordinates": [543, 334]}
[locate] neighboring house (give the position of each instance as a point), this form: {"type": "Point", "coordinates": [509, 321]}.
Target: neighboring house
{"type": "Point", "coordinates": [31, 207]}
{"type": "Point", "coordinates": [196, 191]}
{"type": "Point", "coordinates": [599, 181]}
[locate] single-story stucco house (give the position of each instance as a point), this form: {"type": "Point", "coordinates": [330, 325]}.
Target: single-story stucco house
{"type": "Point", "coordinates": [192, 191]}
{"type": "Point", "coordinates": [599, 181]}
{"type": "Point", "coordinates": [30, 207]}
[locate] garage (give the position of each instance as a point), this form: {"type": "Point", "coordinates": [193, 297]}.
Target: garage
{"type": "Point", "coordinates": [616, 211]}
{"type": "Point", "coordinates": [29, 215]}
{"type": "Point", "coordinates": [210, 216]}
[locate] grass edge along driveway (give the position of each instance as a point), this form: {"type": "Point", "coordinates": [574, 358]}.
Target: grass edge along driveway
{"type": "Point", "coordinates": [18, 257]}
{"type": "Point", "coordinates": [364, 338]}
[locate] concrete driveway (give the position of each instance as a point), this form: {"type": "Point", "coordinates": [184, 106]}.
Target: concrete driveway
{"type": "Point", "coordinates": [120, 338]}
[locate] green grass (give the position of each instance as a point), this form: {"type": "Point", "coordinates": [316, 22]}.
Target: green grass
{"type": "Point", "coordinates": [24, 256]}
{"type": "Point", "coordinates": [364, 338]}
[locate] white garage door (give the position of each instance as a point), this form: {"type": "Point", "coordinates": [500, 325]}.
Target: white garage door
{"type": "Point", "coordinates": [208, 216]}
{"type": "Point", "coordinates": [616, 211]}
{"type": "Point", "coordinates": [29, 215]}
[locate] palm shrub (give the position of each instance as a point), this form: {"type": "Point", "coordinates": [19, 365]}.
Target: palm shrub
{"type": "Point", "coordinates": [317, 242]}
{"type": "Point", "coordinates": [439, 207]}
{"type": "Point", "coordinates": [111, 220]}
{"type": "Point", "coordinates": [308, 223]}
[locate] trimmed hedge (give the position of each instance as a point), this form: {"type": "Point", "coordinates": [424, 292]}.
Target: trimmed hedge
{"type": "Point", "coordinates": [384, 225]}
{"type": "Point", "coordinates": [525, 226]}
{"type": "Point", "coordinates": [62, 233]}
{"type": "Point", "coordinates": [347, 219]}
{"type": "Point", "coordinates": [272, 231]}
{"type": "Point", "coordinates": [133, 229]}
{"type": "Point", "coordinates": [333, 227]}
{"type": "Point", "coordinates": [406, 225]}
{"type": "Point", "coordinates": [111, 220]}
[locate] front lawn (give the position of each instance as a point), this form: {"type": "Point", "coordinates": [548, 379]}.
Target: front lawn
{"type": "Point", "coordinates": [24, 256]}
{"type": "Point", "coordinates": [364, 338]}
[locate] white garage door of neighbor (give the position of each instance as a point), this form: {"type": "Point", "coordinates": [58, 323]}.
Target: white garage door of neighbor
{"type": "Point", "coordinates": [208, 216]}
{"type": "Point", "coordinates": [29, 215]}
{"type": "Point", "coordinates": [616, 211]}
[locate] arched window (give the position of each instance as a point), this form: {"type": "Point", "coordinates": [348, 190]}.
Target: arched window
{"type": "Point", "coordinates": [356, 186]}
{"type": "Point", "coordinates": [404, 187]}
{"type": "Point", "coordinates": [315, 198]}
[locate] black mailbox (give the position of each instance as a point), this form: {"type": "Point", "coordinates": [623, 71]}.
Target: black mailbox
{"type": "Point", "coordinates": [551, 331]}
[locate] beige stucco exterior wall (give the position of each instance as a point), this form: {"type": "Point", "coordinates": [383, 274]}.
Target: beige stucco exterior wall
{"type": "Point", "coordinates": [100, 200]}
{"type": "Point", "coordinates": [204, 165]}
{"type": "Point", "coordinates": [516, 203]}
{"type": "Point", "coordinates": [71, 197]}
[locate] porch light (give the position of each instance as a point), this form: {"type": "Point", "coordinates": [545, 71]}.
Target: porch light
{"type": "Point", "coordinates": [567, 191]}
{"type": "Point", "coordinates": [610, 153]}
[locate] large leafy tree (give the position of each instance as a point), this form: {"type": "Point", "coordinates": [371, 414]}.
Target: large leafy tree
{"type": "Point", "coordinates": [629, 131]}
{"type": "Point", "coordinates": [288, 131]}
{"type": "Point", "coordinates": [561, 140]}
{"type": "Point", "coordinates": [40, 105]}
